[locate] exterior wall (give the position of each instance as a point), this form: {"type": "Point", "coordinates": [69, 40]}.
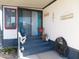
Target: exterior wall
{"type": "Point", "coordinates": [9, 35]}
{"type": "Point", "coordinates": [54, 26]}
{"type": "Point", "coordinates": [0, 27]}
{"type": "Point", "coordinates": [0, 17]}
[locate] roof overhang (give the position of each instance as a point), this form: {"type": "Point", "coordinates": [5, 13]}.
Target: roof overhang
{"type": "Point", "coordinates": [31, 4]}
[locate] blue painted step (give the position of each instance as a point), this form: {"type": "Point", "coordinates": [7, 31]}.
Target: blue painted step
{"type": "Point", "coordinates": [37, 45]}
{"type": "Point", "coordinates": [36, 50]}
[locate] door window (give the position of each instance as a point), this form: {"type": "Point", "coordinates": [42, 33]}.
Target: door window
{"type": "Point", "coordinates": [10, 18]}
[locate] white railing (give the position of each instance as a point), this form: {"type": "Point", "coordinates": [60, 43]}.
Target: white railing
{"type": "Point", "coordinates": [21, 41]}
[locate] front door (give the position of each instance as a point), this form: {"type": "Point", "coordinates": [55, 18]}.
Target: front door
{"type": "Point", "coordinates": [29, 22]}
{"type": "Point", "coordinates": [25, 22]}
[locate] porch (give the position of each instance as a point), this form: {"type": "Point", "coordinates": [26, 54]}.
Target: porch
{"type": "Point", "coordinates": [40, 23]}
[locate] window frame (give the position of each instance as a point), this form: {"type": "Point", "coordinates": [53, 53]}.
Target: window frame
{"type": "Point", "coordinates": [10, 18]}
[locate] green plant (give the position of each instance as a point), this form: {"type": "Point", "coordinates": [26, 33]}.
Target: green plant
{"type": "Point", "coordinates": [9, 50]}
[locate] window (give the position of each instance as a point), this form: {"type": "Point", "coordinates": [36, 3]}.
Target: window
{"type": "Point", "coordinates": [10, 18]}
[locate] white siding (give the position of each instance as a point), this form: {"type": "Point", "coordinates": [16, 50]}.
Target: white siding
{"type": "Point", "coordinates": [69, 29]}
{"type": "Point", "coordinates": [1, 17]}
{"type": "Point", "coordinates": [9, 33]}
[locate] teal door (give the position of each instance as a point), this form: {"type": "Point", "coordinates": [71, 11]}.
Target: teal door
{"type": "Point", "coordinates": [25, 22]}
{"type": "Point", "coordinates": [29, 22]}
